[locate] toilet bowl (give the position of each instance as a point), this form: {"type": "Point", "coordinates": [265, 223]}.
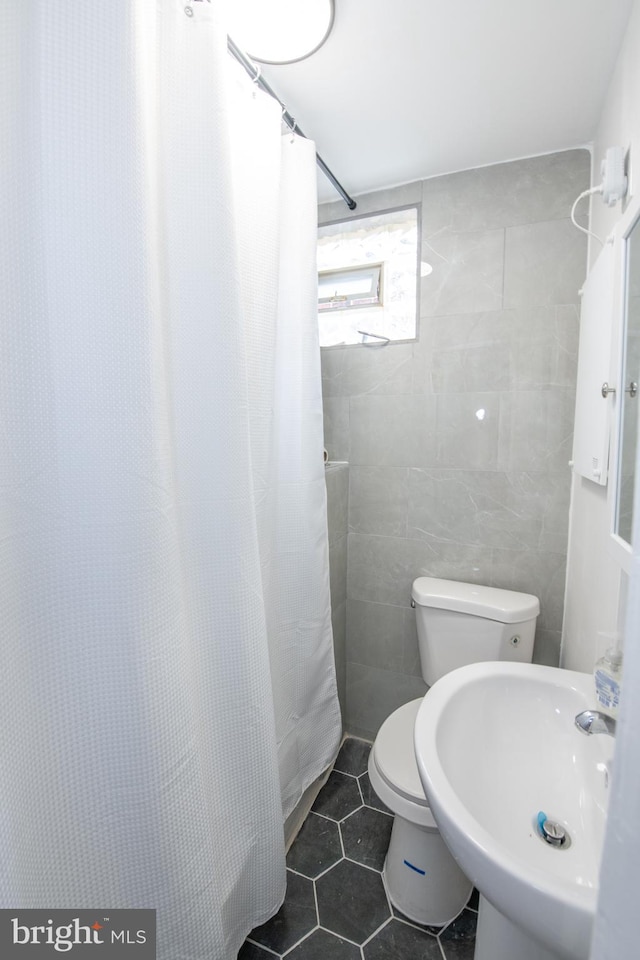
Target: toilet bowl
{"type": "Point", "coordinates": [457, 623]}
{"type": "Point", "coordinates": [423, 880]}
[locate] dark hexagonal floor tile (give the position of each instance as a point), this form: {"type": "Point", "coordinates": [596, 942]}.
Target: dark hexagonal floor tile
{"type": "Point", "coordinates": [352, 902]}
{"type": "Point", "coordinates": [398, 941]}
{"type": "Point", "coordinates": [249, 951]}
{"type": "Point", "coordinates": [339, 797]}
{"type": "Point", "coordinates": [369, 795]}
{"type": "Point", "coordinates": [459, 937]}
{"type": "Point", "coordinates": [316, 848]}
{"type": "Point", "coordinates": [353, 757]}
{"type": "Point", "coordinates": [365, 835]}
{"type": "Point", "coordinates": [296, 917]}
{"type": "Point", "coordinates": [322, 945]}
{"type": "Point", "coordinates": [459, 950]}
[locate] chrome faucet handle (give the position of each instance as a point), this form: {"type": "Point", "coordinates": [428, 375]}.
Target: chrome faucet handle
{"type": "Point", "coordinates": [593, 721]}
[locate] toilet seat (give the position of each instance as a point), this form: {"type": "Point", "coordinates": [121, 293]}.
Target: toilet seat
{"type": "Point", "coordinates": [393, 770]}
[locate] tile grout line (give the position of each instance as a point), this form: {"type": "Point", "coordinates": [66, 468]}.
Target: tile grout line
{"type": "Point", "coordinates": [344, 856]}
{"type": "Point", "coordinates": [359, 863]}
{"type": "Point", "coordinates": [377, 931]}
{"type": "Point", "coordinates": [340, 936]}
{"type": "Point", "coordinates": [295, 945]}
{"type": "Point", "coordinates": [359, 947]}
{"type": "Point", "coordinates": [262, 947]}
{"type": "Point", "coordinates": [360, 790]}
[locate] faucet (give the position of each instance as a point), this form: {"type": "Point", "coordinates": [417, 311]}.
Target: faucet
{"type": "Point", "coordinates": [593, 721]}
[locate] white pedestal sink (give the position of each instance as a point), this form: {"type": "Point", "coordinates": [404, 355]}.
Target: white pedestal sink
{"type": "Point", "coordinates": [497, 745]}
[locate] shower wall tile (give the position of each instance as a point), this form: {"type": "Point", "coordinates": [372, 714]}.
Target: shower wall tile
{"type": "Point", "coordinates": [383, 635]}
{"type": "Point", "coordinates": [544, 347]}
{"type": "Point", "coordinates": [337, 481]}
{"type": "Point", "coordinates": [436, 488]}
{"type": "Point", "coordinates": [470, 369]}
{"type": "Point", "coordinates": [468, 430]}
{"type": "Point", "coordinates": [339, 625]}
{"type": "Point", "coordinates": [374, 694]}
{"type": "Point", "coordinates": [337, 484]}
{"type": "Point", "coordinates": [463, 352]}
{"type": "Point", "coordinates": [334, 362]}
{"type": "Point", "coordinates": [468, 563]}
{"type": "Point", "coordinates": [467, 330]}
{"type": "Point", "coordinates": [567, 337]}
{"type": "Point", "coordinates": [373, 370]}
{"type": "Point", "coordinates": [537, 572]}
{"type": "Point", "coordinates": [378, 569]}
{"type": "Point", "coordinates": [392, 431]}
{"type": "Point", "coordinates": [505, 194]}
{"type": "Point", "coordinates": [467, 273]}
{"type": "Point", "coordinates": [382, 569]}
{"type": "Point", "coordinates": [378, 497]}
{"type": "Point", "coordinates": [543, 263]}
{"type": "Point", "coordinates": [536, 430]}
{"type": "Point", "coordinates": [547, 647]}
{"type": "Point", "coordinates": [380, 369]}
{"type": "Point", "coordinates": [375, 634]}
{"type": "Point", "coordinates": [531, 347]}
{"type": "Point", "coordinates": [495, 509]}
{"type": "Point", "coordinates": [337, 439]}
{"type": "Point", "coordinates": [338, 571]}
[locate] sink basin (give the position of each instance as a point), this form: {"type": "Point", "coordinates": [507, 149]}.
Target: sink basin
{"type": "Point", "coordinates": [496, 746]}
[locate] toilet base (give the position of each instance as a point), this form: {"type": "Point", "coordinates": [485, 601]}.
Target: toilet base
{"type": "Point", "coordinates": [423, 880]}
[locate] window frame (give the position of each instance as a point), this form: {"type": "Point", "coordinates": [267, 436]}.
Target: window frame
{"type": "Point", "coordinates": [345, 303]}
{"type": "Point", "coordinates": [370, 215]}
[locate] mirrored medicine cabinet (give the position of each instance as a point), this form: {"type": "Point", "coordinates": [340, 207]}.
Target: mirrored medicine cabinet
{"type": "Point", "coordinates": [623, 388]}
{"type": "Point", "coordinates": [628, 398]}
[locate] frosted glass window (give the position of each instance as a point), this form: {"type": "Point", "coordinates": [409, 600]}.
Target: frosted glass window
{"type": "Point", "coordinates": [368, 278]}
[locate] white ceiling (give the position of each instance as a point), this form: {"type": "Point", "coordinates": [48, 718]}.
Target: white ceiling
{"type": "Point", "coordinates": [408, 89]}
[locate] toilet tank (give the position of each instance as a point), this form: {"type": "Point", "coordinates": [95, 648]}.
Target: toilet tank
{"type": "Point", "coordinates": [460, 623]}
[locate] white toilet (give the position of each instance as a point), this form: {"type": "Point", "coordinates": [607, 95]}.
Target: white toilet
{"type": "Point", "coordinates": [458, 623]}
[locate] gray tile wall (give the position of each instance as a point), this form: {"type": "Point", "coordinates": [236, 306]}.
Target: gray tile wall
{"type": "Point", "coordinates": [337, 480]}
{"type": "Point", "coordinates": [459, 443]}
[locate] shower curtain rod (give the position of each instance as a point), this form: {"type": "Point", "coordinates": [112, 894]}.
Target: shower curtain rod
{"type": "Point", "coordinates": [256, 76]}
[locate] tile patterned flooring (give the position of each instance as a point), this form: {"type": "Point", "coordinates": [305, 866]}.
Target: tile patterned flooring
{"type": "Point", "coordinates": [336, 906]}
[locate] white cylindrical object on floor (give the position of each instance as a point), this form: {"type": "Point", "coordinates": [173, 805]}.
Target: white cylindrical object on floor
{"type": "Point", "coordinates": [423, 880]}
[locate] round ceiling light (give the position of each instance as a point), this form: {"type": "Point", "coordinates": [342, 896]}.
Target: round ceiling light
{"type": "Point", "coordinates": [280, 31]}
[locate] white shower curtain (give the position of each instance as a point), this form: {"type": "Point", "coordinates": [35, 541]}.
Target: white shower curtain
{"type": "Point", "coordinates": [168, 688]}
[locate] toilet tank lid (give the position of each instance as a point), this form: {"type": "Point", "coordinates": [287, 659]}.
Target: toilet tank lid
{"type": "Point", "coordinates": [493, 603]}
